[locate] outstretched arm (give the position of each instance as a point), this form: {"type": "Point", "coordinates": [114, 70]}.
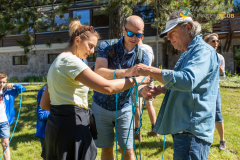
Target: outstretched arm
{"type": "Point", "coordinates": [102, 85]}
{"type": "Point", "coordinates": [101, 68]}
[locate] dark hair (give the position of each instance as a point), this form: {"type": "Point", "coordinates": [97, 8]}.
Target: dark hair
{"type": "Point", "coordinates": [83, 31]}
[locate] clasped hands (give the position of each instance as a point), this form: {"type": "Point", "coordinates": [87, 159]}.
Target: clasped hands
{"type": "Point", "coordinates": [147, 92]}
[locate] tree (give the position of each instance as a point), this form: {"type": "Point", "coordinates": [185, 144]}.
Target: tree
{"type": "Point", "coordinates": [118, 11]}
{"type": "Point", "coordinates": [206, 12]}
{"type": "Point", "coordinates": [30, 16]}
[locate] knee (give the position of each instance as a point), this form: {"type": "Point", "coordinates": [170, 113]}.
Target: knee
{"type": "Point", "coordinates": [4, 144]}
{"type": "Point", "coordinates": [129, 153]}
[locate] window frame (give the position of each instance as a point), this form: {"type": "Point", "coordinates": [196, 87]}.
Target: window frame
{"type": "Point", "coordinates": [49, 54]}
{"type": "Point", "coordinates": [13, 59]}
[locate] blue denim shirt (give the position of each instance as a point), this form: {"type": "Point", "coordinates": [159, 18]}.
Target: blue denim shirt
{"type": "Point", "coordinates": [190, 101]}
{"type": "Point", "coordinates": [123, 60]}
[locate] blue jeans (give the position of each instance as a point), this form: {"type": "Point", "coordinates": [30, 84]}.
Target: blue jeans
{"type": "Point", "coordinates": [218, 117]}
{"type": "Point", "coordinates": [188, 147]}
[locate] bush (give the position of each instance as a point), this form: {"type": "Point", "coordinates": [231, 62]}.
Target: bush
{"type": "Point", "coordinates": [28, 79]}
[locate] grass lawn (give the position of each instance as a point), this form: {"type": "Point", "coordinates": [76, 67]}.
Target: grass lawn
{"type": "Point", "coordinates": [25, 146]}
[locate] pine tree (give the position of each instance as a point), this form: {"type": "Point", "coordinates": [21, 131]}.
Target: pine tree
{"type": "Point", "coordinates": [29, 16]}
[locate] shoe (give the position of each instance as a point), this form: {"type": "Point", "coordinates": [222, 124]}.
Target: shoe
{"type": "Point", "coordinates": [222, 145]}
{"type": "Point", "coordinates": [153, 134]}
{"type": "Point", "coordinates": [136, 137]}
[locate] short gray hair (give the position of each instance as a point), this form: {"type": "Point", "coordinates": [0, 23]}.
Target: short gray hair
{"type": "Point", "coordinates": [196, 27]}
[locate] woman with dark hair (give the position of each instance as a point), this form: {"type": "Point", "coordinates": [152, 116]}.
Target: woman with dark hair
{"type": "Point", "coordinates": [71, 126]}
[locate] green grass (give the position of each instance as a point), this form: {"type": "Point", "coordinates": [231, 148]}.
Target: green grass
{"type": "Point", "coordinates": [25, 146]}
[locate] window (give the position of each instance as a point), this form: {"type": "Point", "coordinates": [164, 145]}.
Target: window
{"type": "Point", "coordinates": [99, 19]}
{"type": "Point", "coordinates": [83, 16]}
{"type": "Point", "coordinates": [236, 6]}
{"type": "Point", "coordinates": [236, 53]}
{"type": "Point", "coordinates": [52, 57]}
{"type": "Point", "coordinates": [20, 60]}
{"type": "Point", "coordinates": [60, 23]}
{"type": "Point", "coordinates": [145, 12]}
{"type": "Point", "coordinates": [92, 57]}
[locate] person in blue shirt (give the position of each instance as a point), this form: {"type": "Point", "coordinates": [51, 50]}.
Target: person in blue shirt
{"type": "Point", "coordinates": [42, 116]}
{"type": "Point", "coordinates": [104, 106]}
{"type": "Point", "coordinates": [189, 106]}
{"type": "Point", "coordinates": [7, 111]}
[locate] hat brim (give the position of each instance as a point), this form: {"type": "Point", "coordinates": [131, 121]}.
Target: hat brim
{"type": "Point", "coordinates": [164, 33]}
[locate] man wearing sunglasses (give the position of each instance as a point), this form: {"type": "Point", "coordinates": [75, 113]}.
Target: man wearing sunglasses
{"type": "Point", "coordinates": [104, 106]}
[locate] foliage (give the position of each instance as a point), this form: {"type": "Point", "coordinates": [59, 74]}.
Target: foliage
{"type": "Point", "coordinates": [25, 145]}
{"type": "Point", "coordinates": [118, 10]}
{"type": "Point", "coordinates": [28, 79]}
{"type": "Point", "coordinates": [28, 17]}
{"type": "Point", "coordinates": [204, 11]}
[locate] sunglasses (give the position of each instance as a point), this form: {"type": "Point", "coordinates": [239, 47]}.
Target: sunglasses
{"type": "Point", "coordinates": [90, 28]}
{"type": "Point", "coordinates": [213, 41]}
{"type": "Point", "coordinates": [131, 34]}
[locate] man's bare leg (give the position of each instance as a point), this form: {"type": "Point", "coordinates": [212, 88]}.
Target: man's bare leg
{"type": "Point", "coordinates": [107, 154]}
{"type": "Point", "coordinates": [129, 154]}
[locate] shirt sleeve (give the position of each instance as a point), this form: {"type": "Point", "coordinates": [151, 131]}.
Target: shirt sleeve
{"type": "Point", "coordinates": [152, 53]}
{"type": "Point", "coordinates": [103, 49]}
{"type": "Point", "coordinates": [74, 66]}
{"type": "Point", "coordinates": [194, 71]}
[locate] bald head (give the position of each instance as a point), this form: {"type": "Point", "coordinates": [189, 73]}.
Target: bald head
{"type": "Point", "coordinates": [135, 21]}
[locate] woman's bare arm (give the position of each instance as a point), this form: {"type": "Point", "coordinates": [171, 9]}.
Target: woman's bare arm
{"type": "Point", "coordinates": [102, 85]}
{"type": "Point", "coordinates": [45, 100]}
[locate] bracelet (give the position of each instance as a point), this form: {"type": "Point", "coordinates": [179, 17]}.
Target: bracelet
{"type": "Point", "coordinates": [115, 73]}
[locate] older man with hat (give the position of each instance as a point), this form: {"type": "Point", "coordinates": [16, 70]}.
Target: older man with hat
{"type": "Point", "coordinates": [188, 108]}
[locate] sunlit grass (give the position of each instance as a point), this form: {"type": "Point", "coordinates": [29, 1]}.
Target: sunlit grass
{"type": "Point", "coordinates": [25, 146]}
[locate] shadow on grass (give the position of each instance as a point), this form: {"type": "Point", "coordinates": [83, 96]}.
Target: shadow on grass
{"type": "Point", "coordinates": [155, 145]}
{"type": "Point", "coordinates": [22, 139]}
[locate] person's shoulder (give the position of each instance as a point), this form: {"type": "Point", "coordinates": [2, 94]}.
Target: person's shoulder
{"type": "Point", "coordinates": [220, 56]}
{"type": "Point", "coordinates": [106, 43]}
{"type": "Point", "coordinates": [202, 45]}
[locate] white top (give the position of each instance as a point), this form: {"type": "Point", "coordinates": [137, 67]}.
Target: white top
{"type": "Point", "coordinates": [222, 63]}
{"type": "Point", "coordinates": [3, 116]}
{"type": "Point", "coordinates": [62, 86]}
{"type": "Point", "coordinates": [149, 52]}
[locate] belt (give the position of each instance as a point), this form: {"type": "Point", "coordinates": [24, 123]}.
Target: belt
{"type": "Point", "coordinates": [186, 133]}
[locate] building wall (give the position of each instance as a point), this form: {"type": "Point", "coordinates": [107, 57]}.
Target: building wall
{"type": "Point", "coordinates": [229, 56]}
{"type": "Point", "coordinates": [37, 64]}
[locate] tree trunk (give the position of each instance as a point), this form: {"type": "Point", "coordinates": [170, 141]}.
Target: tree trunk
{"type": "Point", "coordinates": [116, 21]}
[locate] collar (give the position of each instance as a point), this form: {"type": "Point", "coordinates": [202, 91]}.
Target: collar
{"type": "Point", "coordinates": [194, 41]}
{"type": "Point", "coordinates": [135, 49]}
{"type": "Point", "coordinates": [4, 90]}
